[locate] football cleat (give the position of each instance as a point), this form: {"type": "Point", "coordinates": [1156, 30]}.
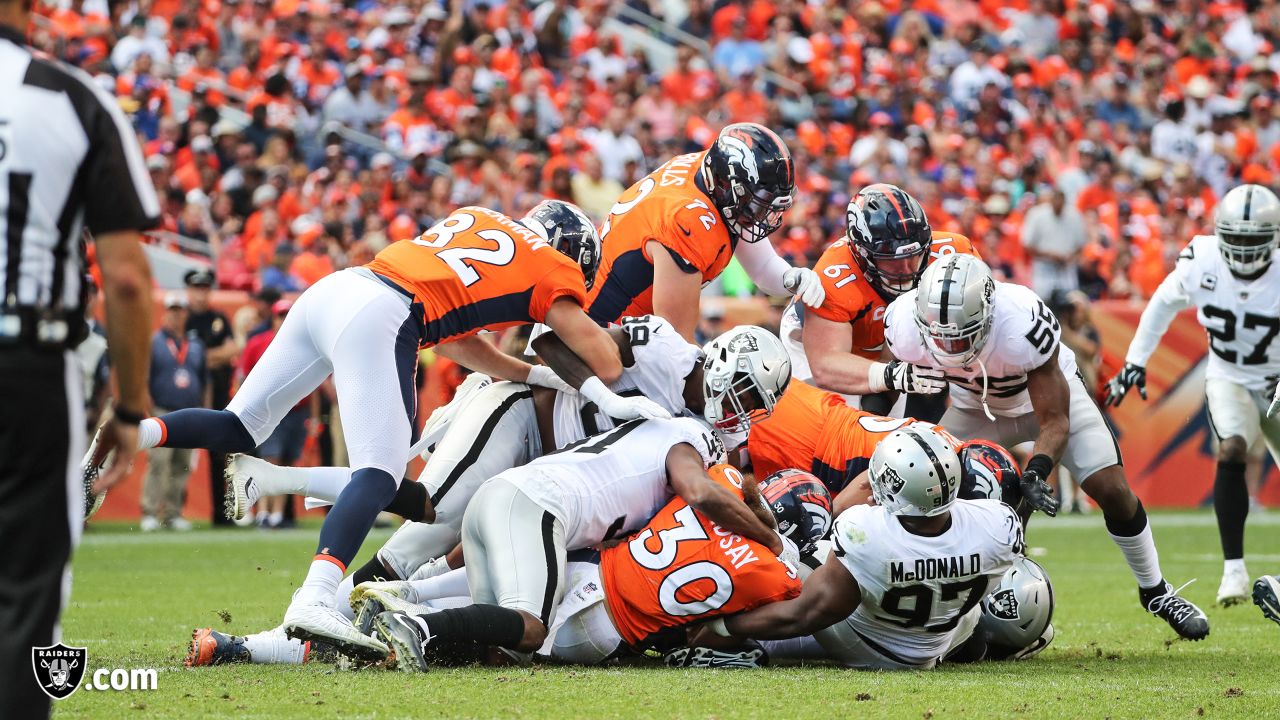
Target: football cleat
{"type": "Point", "coordinates": [210, 647]}
{"type": "Point", "coordinates": [371, 599]}
{"type": "Point", "coordinates": [407, 638]}
{"type": "Point", "coordinates": [1182, 615]}
{"type": "Point", "coordinates": [242, 491]}
{"type": "Point", "coordinates": [320, 623]}
{"type": "Point", "coordinates": [704, 657]}
{"type": "Point", "coordinates": [1266, 595]}
{"type": "Point", "coordinates": [1234, 588]}
{"type": "Point", "coordinates": [91, 471]}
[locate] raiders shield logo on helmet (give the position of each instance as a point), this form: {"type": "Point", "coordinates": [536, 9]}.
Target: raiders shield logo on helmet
{"type": "Point", "coordinates": [1003, 604]}
{"type": "Point", "coordinates": [743, 342]}
{"type": "Point", "coordinates": [59, 668]}
{"type": "Point", "coordinates": [893, 482]}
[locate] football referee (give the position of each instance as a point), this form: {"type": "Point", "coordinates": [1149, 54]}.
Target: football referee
{"type": "Point", "coordinates": [68, 161]}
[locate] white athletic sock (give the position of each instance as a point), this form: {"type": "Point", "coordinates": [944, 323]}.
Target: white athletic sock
{"type": "Point", "coordinates": [1140, 552]}
{"type": "Point", "coordinates": [342, 598]}
{"type": "Point", "coordinates": [325, 483]}
{"type": "Point", "coordinates": [275, 518]}
{"type": "Point", "coordinates": [321, 583]}
{"type": "Point", "coordinates": [1230, 566]}
{"type": "Point", "coordinates": [431, 568]}
{"type": "Point", "coordinates": [149, 433]}
{"type": "Point", "coordinates": [450, 584]}
{"type": "Point", "coordinates": [273, 647]}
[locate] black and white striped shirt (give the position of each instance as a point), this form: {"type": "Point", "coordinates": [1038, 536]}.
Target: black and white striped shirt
{"type": "Point", "coordinates": [68, 160]}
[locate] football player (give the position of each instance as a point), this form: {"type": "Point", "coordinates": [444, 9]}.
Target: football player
{"type": "Point", "coordinates": [818, 430]}
{"type": "Point", "coordinates": [1012, 381]}
{"type": "Point", "coordinates": [839, 345]}
{"type": "Point", "coordinates": [521, 523]}
{"type": "Point", "coordinates": [1231, 279]}
{"type": "Point", "coordinates": [902, 586]}
{"type": "Point", "coordinates": [678, 228]}
{"type": "Point", "coordinates": [498, 427]}
{"type": "Point", "coordinates": [475, 270]}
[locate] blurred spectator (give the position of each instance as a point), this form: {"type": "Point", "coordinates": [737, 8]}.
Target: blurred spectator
{"type": "Point", "coordinates": [1053, 234]}
{"type": "Point", "coordinates": [279, 275]}
{"type": "Point", "coordinates": [737, 54]}
{"type": "Point", "coordinates": [178, 372]}
{"type": "Point", "coordinates": [594, 192]}
{"type": "Point", "coordinates": [213, 330]}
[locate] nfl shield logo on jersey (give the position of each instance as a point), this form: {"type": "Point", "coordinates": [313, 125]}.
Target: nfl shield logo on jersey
{"type": "Point", "coordinates": [1208, 282]}
{"type": "Point", "coordinates": [1004, 605]}
{"type": "Point", "coordinates": [59, 669]}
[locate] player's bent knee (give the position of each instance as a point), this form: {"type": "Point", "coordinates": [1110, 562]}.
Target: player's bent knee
{"type": "Point", "coordinates": [1233, 450]}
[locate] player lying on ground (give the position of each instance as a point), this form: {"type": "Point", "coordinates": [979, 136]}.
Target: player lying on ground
{"type": "Point", "coordinates": [1232, 280]}
{"type": "Point", "coordinates": [1013, 382]}
{"type": "Point", "coordinates": [677, 229]}
{"type": "Point", "coordinates": [475, 270]}
{"type": "Point", "coordinates": [504, 426]}
{"type": "Point", "coordinates": [902, 586]}
{"type": "Point", "coordinates": [839, 346]}
{"type": "Point", "coordinates": [640, 594]}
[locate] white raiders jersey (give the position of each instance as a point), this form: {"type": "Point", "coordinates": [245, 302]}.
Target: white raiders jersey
{"type": "Point", "coordinates": [610, 485]}
{"type": "Point", "coordinates": [663, 359]}
{"type": "Point", "coordinates": [916, 589]}
{"type": "Point", "coordinates": [1241, 317]}
{"type": "Point", "coordinates": [1023, 336]}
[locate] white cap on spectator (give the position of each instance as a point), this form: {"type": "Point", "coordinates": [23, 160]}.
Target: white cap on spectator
{"type": "Point", "coordinates": [196, 196]}
{"type": "Point", "coordinates": [157, 162]}
{"type": "Point", "coordinates": [1199, 87]}
{"type": "Point", "coordinates": [419, 147]}
{"type": "Point", "coordinates": [225, 127]}
{"type": "Point", "coordinates": [800, 50]}
{"type": "Point", "coordinates": [433, 11]}
{"type": "Point", "coordinates": [382, 159]}
{"type": "Point", "coordinates": [397, 15]}
{"type": "Point", "coordinates": [175, 299]}
{"type": "Point", "coordinates": [264, 195]}
{"type": "Point", "coordinates": [201, 143]}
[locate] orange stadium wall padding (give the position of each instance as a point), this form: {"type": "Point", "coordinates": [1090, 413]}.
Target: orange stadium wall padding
{"type": "Point", "coordinates": [1166, 442]}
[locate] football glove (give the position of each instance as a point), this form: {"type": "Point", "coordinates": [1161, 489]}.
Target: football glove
{"type": "Point", "coordinates": [1035, 491]}
{"type": "Point", "coordinates": [1130, 376]}
{"type": "Point", "coordinates": [618, 407]}
{"type": "Point", "coordinates": [805, 285]}
{"type": "Point", "coordinates": [904, 377]}
{"type": "Point", "coordinates": [543, 376]}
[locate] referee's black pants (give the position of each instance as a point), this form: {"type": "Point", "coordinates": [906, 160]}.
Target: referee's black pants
{"type": "Point", "coordinates": [41, 512]}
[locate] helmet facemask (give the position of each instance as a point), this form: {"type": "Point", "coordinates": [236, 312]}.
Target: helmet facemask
{"type": "Point", "coordinates": [893, 274]}
{"type": "Point", "coordinates": [732, 406]}
{"type": "Point", "coordinates": [1246, 253]}
{"type": "Point", "coordinates": [954, 346]}
{"type": "Point", "coordinates": [755, 217]}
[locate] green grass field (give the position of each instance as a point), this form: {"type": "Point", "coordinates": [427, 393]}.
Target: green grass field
{"type": "Point", "coordinates": [137, 598]}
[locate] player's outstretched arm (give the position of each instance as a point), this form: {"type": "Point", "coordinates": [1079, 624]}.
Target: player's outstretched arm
{"type": "Point", "coordinates": [1051, 399]}
{"type": "Point", "coordinates": [776, 277]}
{"type": "Point", "coordinates": [830, 594]}
{"type": "Point", "coordinates": [566, 363]}
{"type": "Point", "coordinates": [479, 355]}
{"type": "Point", "coordinates": [829, 347]}
{"type": "Point", "coordinates": [857, 492]}
{"type": "Point", "coordinates": [690, 481]}
{"type": "Point", "coordinates": [586, 339]}
{"type": "Point", "coordinates": [676, 292]}
{"type": "Point", "coordinates": [1160, 311]}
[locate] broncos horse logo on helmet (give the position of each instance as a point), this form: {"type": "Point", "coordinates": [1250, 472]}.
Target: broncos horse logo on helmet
{"type": "Point", "coordinates": [890, 237]}
{"type": "Point", "coordinates": [749, 176]}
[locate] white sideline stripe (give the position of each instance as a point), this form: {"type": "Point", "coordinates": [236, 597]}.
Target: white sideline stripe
{"type": "Point", "coordinates": [203, 536]}
{"type": "Point", "coordinates": [1039, 524]}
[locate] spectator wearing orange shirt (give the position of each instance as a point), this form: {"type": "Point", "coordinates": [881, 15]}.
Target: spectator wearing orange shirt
{"type": "Point", "coordinates": [744, 102]}
{"type": "Point", "coordinates": [1101, 192]}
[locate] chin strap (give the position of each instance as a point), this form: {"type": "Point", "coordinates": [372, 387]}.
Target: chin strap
{"type": "Point", "coordinates": [985, 408]}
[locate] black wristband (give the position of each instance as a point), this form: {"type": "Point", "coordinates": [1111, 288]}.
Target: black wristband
{"type": "Point", "coordinates": [1041, 464]}
{"type": "Point", "coordinates": [128, 417]}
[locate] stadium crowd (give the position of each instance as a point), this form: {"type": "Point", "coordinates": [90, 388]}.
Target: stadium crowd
{"type": "Point", "coordinates": [1077, 143]}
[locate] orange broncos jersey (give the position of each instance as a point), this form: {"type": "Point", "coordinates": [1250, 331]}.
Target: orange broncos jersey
{"type": "Point", "coordinates": [814, 430]}
{"type": "Point", "coordinates": [682, 568]}
{"type": "Point", "coordinates": [479, 270]}
{"type": "Point", "coordinates": [668, 206]}
{"type": "Point", "coordinates": [851, 299]}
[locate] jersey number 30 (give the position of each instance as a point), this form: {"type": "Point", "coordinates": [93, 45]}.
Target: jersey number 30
{"type": "Point", "coordinates": [669, 539]}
